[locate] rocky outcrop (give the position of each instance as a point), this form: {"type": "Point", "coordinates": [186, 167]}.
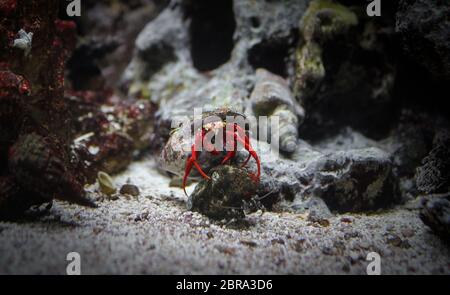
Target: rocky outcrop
{"type": "Point", "coordinates": [344, 72]}
{"type": "Point", "coordinates": [427, 41]}
{"type": "Point", "coordinates": [35, 123]}
{"type": "Point", "coordinates": [436, 214]}
{"type": "Point", "coordinates": [354, 180]}
{"type": "Point", "coordinates": [434, 174]}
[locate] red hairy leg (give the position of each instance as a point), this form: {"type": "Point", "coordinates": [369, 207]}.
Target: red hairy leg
{"type": "Point", "coordinates": [228, 157]}
{"type": "Point", "coordinates": [248, 147]}
{"type": "Point", "coordinates": [230, 154]}
{"type": "Point", "coordinates": [211, 148]}
{"type": "Point", "coordinates": [187, 170]}
{"type": "Point", "coordinates": [192, 160]}
{"type": "Point", "coordinates": [247, 139]}
{"type": "Point", "coordinates": [246, 160]}
{"type": "Point", "coordinates": [195, 150]}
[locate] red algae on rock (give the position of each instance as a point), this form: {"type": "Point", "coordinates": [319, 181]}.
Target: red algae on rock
{"type": "Point", "coordinates": [35, 117]}
{"type": "Point", "coordinates": [7, 7]}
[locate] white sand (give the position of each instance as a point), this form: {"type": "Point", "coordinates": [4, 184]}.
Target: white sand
{"type": "Point", "coordinates": [155, 234]}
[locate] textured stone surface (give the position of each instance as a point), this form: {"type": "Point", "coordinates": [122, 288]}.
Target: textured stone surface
{"type": "Point", "coordinates": [178, 86]}
{"type": "Point", "coordinates": [436, 214]}
{"type": "Point", "coordinates": [35, 121]}
{"type": "Point", "coordinates": [348, 181]}
{"type": "Point", "coordinates": [105, 23]}
{"type": "Point", "coordinates": [427, 41]}
{"type": "Point", "coordinates": [434, 174]}
{"type": "Point", "coordinates": [344, 71]}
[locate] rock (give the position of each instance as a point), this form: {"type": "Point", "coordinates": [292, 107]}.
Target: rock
{"type": "Point", "coordinates": [35, 119]}
{"type": "Point", "coordinates": [332, 83]}
{"type": "Point", "coordinates": [279, 241]}
{"type": "Point", "coordinates": [394, 240]}
{"type": "Point", "coordinates": [427, 41]}
{"type": "Point", "coordinates": [265, 32]}
{"type": "Point", "coordinates": [408, 144]}
{"type": "Point", "coordinates": [14, 200]}
{"type": "Point", "coordinates": [318, 211]}
{"type": "Point", "coordinates": [411, 143]}
{"type": "Point", "coordinates": [310, 71]}
{"type": "Point", "coordinates": [156, 45]}
{"type": "Point", "coordinates": [172, 53]}
{"type": "Point", "coordinates": [221, 197]}
{"type": "Point", "coordinates": [355, 180]}
{"type": "Point", "coordinates": [83, 67]}
{"type": "Point", "coordinates": [348, 181]}
{"type": "Point", "coordinates": [105, 21]}
{"type": "Point", "coordinates": [109, 136]}
{"type": "Point", "coordinates": [434, 174]}
{"type": "Point", "coordinates": [324, 19]}
{"type": "Point", "coordinates": [39, 165]}
{"type": "Point", "coordinates": [129, 189]}
{"type": "Point", "coordinates": [436, 214]}
{"type": "Point", "coordinates": [249, 243]}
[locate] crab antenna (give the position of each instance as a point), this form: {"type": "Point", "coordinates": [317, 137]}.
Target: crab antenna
{"type": "Point", "coordinates": [266, 195]}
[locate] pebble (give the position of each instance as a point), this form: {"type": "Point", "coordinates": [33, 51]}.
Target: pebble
{"type": "Point", "coordinates": [394, 240]}
{"type": "Point", "coordinates": [249, 243]}
{"type": "Point", "coordinates": [129, 189]}
{"type": "Point", "coordinates": [327, 251]}
{"type": "Point", "coordinates": [346, 220]}
{"type": "Point", "coordinates": [277, 241]}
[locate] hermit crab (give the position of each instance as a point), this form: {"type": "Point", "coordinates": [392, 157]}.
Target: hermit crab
{"type": "Point", "coordinates": [219, 131]}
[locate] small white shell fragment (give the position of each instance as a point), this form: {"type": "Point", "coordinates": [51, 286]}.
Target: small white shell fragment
{"type": "Point", "coordinates": [24, 41]}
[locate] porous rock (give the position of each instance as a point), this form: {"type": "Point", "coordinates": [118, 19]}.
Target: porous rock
{"type": "Point", "coordinates": [424, 28]}
{"type": "Point", "coordinates": [343, 66]}
{"type": "Point", "coordinates": [353, 180]}
{"type": "Point", "coordinates": [434, 174]}
{"type": "Point", "coordinates": [436, 214]}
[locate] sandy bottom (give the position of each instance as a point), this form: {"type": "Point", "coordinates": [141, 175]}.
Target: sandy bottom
{"type": "Point", "coordinates": [155, 234]}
